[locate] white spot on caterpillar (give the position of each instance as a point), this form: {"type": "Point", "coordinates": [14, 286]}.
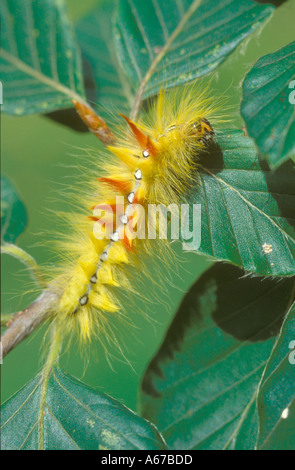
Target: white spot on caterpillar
{"type": "Point", "coordinates": [114, 237]}
{"type": "Point", "coordinates": [145, 153]}
{"type": "Point", "coordinates": [285, 413]}
{"type": "Point", "coordinates": [104, 256]}
{"type": "Point", "coordinates": [84, 300]}
{"type": "Point", "coordinates": [267, 248]}
{"type": "Point", "coordinates": [138, 175]}
{"type": "Point", "coordinates": [130, 197]}
{"type": "Point", "coordinates": [124, 219]}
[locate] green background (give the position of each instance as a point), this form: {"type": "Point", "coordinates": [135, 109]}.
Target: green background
{"type": "Point", "coordinates": [40, 156]}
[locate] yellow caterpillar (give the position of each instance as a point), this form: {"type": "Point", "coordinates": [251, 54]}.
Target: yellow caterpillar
{"type": "Point", "coordinates": [153, 161]}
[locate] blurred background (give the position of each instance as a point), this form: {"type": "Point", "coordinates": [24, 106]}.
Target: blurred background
{"type": "Point", "coordinates": [40, 156]}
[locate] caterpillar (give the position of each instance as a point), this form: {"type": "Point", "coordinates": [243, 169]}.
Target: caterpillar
{"type": "Point", "coordinates": [152, 161]}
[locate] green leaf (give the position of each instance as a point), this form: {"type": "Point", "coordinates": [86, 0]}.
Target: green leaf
{"type": "Point", "coordinates": [76, 417]}
{"type": "Point", "coordinates": [246, 434]}
{"type": "Point", "coordinates": [201, 387]}
{"type": "Point", "coordinates": [268, 105]}
{"type": "Point", "coordinates": [169, 43]}
{"type": "Point", "coordinates": [95, 36]}
{"type": "Point", "coordinates": [248, 212]}
{"type": "Point", "coordinates": [276, 400]}
{"type": "Point", "coordinates": [39, 58]}
{"type": "Point", "coordinates": [13, 212]}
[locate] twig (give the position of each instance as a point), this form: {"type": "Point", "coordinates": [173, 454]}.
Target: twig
{"type": "Point", "coordinates": [26, 321]}
{"type": "Point", "coordinates": [95, 123]}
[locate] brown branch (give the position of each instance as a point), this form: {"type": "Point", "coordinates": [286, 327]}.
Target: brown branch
{"type": "Point", "coordinates": [95, 123]}
{"type": "Point", "coordinates": [23, 323]}
{"type": "Point", "coordinates": [26, 321]}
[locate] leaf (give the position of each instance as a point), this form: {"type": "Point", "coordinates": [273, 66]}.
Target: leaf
{"type": "Point", "coordinates": [276, 399]}
{"type": "Point", "coordinates": [169, 43]}
{"type": "Point", "coordinates": [105, 84]}
{"type": "Point", "coordinates": [69, 117]}
{"type": "Point", "coordinates": [95, 36]}
{"type": "Point", "coordinates": [76, 417]}
{"type": "Point", "coordinates": [246, 434]}
{"type": "Point", "coordinates": [13, 212]}
{"type": "Point", "coordinates": [276, 3]}
{"type": "Point", "coordinates": [268, 105]}
{"type": "Point", "coordinates": [247, 211]}
{"type": "Point", "coordinates": [201, 386]}
{"type": "Point", "coordinates": [39, 58]}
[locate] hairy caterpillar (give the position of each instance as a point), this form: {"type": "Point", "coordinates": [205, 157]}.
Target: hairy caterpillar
{"type": "Point", "coordinates": [153, 161]}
